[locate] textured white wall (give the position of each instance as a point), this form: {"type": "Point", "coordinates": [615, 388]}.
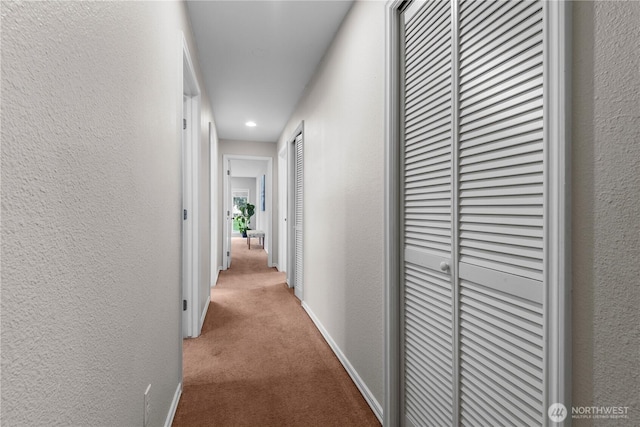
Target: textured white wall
{"type": "Point", "coordinates": [343, 113]}
{"type": "Point", "coordinates": [606, 206]}
{"type": "Point", "coordinates": [91, 231]}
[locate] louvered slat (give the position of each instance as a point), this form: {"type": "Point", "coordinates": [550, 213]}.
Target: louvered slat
{"type": "Point", "coordinates": [484, 18]}
{"type": "Point", "coordinates": [501, 352]}
{"type": "Point", "coordinates": [431, 87]}
{"type": "Point", "coordinates": [434, 13]}
{"type": "Point", "coordinates": [501, 141]}
{"type": "Point", "coordinates": [509, 40]}
{"type": "Point", "coordinates": [428, 306]}
{"type": "Point", "coordinates": [427, 125]}
{"type": "Point", "coordinates": [508, 29]}
{"type": "Point", "coordinates": [428, 331]}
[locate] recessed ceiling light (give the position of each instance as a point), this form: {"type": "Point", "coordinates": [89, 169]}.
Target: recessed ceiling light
{"type": "Point", "coordinates": [250, 124]}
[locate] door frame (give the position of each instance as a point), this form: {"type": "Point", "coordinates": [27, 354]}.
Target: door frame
{"type": "Point", "coordinates": [190, 142]}
{"type": "Point", "coordinates": [291, 161]}
{"type": "Point", "coordinates": [557, 209]}
{"type": "Point", "coordinates": [226, 206]}
{"type": "Point", "coordinates": [283, 179]}
{"type": "Point", "coordinates": [391, 412]}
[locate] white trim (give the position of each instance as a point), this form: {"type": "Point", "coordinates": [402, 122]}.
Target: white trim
{"type": "Point", "coordinates": [213, 207]}
{"type": "Point", "coordinates": [226, 213]}
{"type": "Point", "coordinates": [359, 382]}
{"type": "Point", "coordinates": [174, 406]}
{"type": "Point", "coordinates": [392, 250]}
{"type": "Point", "coordinates": [282, 208]}
{"type": "Point", "coordinates": [216, 274]}
{"type": "Point", "coordinates": [268, 208]}
{"type": "Point", "coordinates": [191, 152]}
{"type": "Point", "coordinates": [204, 312]}
{"type": "Point", "coordinates": [557, 225]}
{"type": "Point", "coordinates": [179, 136]}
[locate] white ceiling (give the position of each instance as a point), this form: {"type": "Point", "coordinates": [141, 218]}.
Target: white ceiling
{"type": "Point", "coordinates": [258, 56]}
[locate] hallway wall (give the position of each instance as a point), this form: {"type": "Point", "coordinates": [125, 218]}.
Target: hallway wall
{"type": "Point", "coordinates": [91, 203]}
{"type": "Point", "coordinates": [343, 113]}
{"type": "Point", "coordinates": [606, 207]}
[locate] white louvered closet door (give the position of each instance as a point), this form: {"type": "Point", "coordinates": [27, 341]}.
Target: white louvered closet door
{"type": "Point", "coordinates": [298, 199]}
{"type": "Point", "coordinates": [473, 180]}
{"type": "Point", "coordinates": [501, 213]}
{"type": "Point", "coordinates": [427, 297]}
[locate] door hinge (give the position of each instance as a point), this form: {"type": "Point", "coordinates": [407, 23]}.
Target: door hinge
{"type": "Point", "coordinates": [184, 305]}
{"type": "Point", "coordinates": [184, 214]}
{"type": "Point", "coordinates": [228, 172]}
{"type": "Point", "coordinates": [228, 254]}
{"type": "Point", "coordinates": [228, 213]}
{"type": "Point", "coordinates": [184, 123]}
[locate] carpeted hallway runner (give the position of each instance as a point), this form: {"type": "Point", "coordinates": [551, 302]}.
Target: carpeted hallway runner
{"type": "Point", "coordinates": [260, 361]}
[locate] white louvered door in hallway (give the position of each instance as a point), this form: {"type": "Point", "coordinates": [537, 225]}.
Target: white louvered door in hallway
{"type": "Point", "coordinates": [477, 302]}
{"type": "Point", "coordinates": [428, 303]}
{"type": "Point", "coordinates": [298, 209]}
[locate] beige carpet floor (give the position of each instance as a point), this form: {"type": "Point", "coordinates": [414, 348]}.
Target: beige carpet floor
{"type": "Point", "coordinates": [260, 361]}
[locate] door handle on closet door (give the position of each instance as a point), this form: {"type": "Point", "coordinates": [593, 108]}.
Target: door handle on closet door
{"type": "Point", "coordinates": [444, 266]}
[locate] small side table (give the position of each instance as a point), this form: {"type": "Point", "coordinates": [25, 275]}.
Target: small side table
{"type": "Point", "coordinates": [255, 233]}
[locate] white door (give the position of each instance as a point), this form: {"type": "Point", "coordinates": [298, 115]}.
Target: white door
{"type": "Point", "coordinates": [190, 189]}
{"type": "Point", "coordinates": [228, 206]}
{"type": "Point", "coordinates": [298, 217]}
{"type": "Point", "coordinates": [186, 240]}
{"type": "Point", "coordinates": [475, 315]}
{"type": "Point", "coordinates": [282, 209]}
{"type": "Point", "coordinates": [428, 290]}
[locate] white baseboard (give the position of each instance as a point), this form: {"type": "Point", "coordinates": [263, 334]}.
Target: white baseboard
{"type": "Point", "coordinates": [364, 390]}
{"type": "Point", "coordinates": [204, 312]}
{"type": "Point", "coordinates": [174, 406]}
{"type": "Point", "coordinates": [279, 269]}
{"type": "Point", "coordinates": [215, 278]}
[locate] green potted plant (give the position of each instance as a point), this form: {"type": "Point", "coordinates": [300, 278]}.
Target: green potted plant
{"type": "Point", "coordinates": [246, 212]}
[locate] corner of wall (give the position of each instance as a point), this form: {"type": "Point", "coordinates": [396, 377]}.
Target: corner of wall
{"type": "Point", "coordinates": [606, 231]}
